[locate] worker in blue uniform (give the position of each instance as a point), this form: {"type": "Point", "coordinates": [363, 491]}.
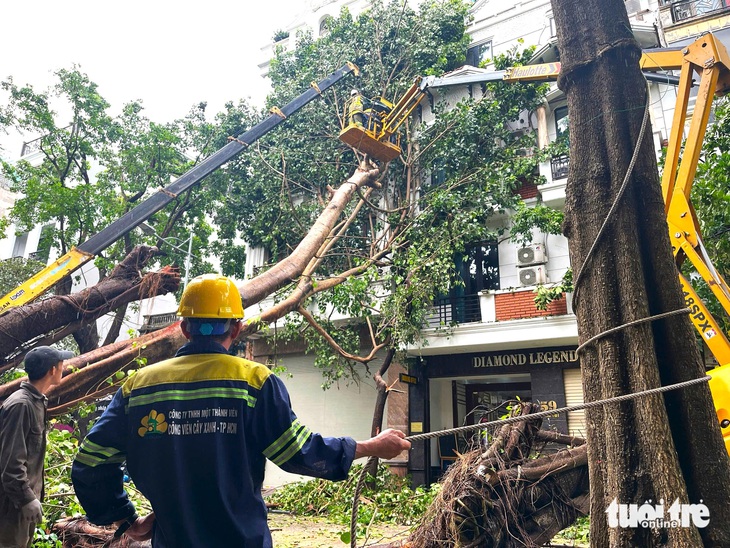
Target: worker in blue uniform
{"type": "Point", "coordinates": [195, 432]}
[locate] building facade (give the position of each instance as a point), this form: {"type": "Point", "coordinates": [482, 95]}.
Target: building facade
{"type": "Point", "coordinates": [502, 347]}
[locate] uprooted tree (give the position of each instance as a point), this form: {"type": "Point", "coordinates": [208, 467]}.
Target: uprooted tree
{"type": "Point", "coordinates": [654, 448]}
{"type": "Point", "coordinates": [508, 493]}
{"type": "Point", "coordinates": [400, 226]}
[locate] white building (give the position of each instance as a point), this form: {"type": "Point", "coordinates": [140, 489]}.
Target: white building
{"type": "Point", "coordinates": [503, 347]}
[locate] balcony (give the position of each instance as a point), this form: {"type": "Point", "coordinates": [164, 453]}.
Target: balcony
{"type": "Point", "coordinates": [508, 319]}
{"type": "Point", "coordinates": [559, 166]}
{"type": "Point", "coordinates": [492, 306]}
{"type": "Point", "coordinates": [454, 310]}
{"type": "Point", "coordinates": [678, 12]}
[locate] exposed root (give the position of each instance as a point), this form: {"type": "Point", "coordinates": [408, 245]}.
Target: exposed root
{"type": "Point", "coordinates": [502, 497]}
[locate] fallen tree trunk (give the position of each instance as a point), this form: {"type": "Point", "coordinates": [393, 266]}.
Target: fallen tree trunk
{"type": "Point", "coordinates": [89, 376]}
{"type": "Point", "coordinates": [50, 320]}
{"type": "Point", "coordinates": [502, 498]}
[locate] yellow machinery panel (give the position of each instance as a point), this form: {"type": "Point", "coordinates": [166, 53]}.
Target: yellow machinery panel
{"type": "Point", "coordinates": [40, 282]}
{"type": "Point", "coordinates": [366, 142]}
{"type": "Point", "coordinates": [720, 388]}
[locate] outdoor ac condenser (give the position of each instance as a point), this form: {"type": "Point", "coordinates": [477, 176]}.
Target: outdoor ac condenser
{"type": "Point", "coordinates": [531, 255]}
{"type": "Point", "coordinates": [532, 275]}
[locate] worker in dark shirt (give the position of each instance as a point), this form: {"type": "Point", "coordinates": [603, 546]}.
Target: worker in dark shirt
{"type": "Point", "coordinates": [195, 432]}
{"type": "Point", "coordinates": [23, 447]}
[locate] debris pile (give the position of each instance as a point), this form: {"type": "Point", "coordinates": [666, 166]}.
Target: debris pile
{"type": "Point", "coordinates": [504, 496]}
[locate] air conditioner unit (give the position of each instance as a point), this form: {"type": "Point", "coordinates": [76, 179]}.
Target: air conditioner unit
{"type": "Point", "coordinates": [533, 275]}
{"type": "Point", "coordinates": [530, 255]}
{"type": "Point", "coordinates": [636, 6]}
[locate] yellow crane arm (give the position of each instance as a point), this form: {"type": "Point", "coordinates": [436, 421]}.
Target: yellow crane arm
{"type": "Point", "coordinates": [48, 277]}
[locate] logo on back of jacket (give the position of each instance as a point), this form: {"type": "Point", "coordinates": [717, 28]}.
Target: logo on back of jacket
{"type": "Point", "coordinates": [153, 425]}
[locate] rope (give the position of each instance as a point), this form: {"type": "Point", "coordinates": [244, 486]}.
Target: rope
{"type": "Point", "coordinates": [519, 418]}
{"type": "Point", "coordinates": [577, 407]}
{"type": "Point", "coordinates": [635, 322]}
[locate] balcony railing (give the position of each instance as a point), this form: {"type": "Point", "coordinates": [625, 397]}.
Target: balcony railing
{"type": "Point", "coordinates": [559, 166]}
{"type": "Point", "coordinates": [153, 322]}
{"type": "Point", "coordinates": [685, 10]}
{"type": "Point", "coordinates": [454, 310]}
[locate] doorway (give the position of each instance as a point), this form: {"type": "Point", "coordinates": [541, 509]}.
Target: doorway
{"type": "Point", "coordinates": [488, 402]}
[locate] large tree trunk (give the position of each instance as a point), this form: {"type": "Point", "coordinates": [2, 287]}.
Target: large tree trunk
{"type": "Point", "coordinates": [52, 319]}
{"type": "Point", "coordinates": [641, 450]}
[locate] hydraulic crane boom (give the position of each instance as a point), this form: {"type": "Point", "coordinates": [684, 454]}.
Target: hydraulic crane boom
{"type": "Point", "coordinates": [86, 251]}
{"type": "Point", "coordinates": [708, 59]}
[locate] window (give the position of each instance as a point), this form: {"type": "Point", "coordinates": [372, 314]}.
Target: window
{"type": "Point", "coordinates": [479, 268]}
{"type": "Point", "coordinates": [561, 121]}
{"type": "Point", "coordinates": [551, 24]}
{"type": "Point", "coordinates": [19, 247]}
{"type": "Point", "coordinates": [324, 25]}
{"type": "Point", "coordinates": [479, 53]}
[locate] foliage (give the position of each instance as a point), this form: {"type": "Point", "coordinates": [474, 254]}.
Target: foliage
{"type": "Point", "coordinates": [544, 295]}
{"type": "Point", "coordinates": [334, 367]}
{"type": "Point", "coordinates": [477, 164]}
{"type": "Point", "coordinates": [389, 498]}
{"type": "Point", "coordinates": [93, 168]}
{"type": "Point", "coordinates": [60, 500]}
{"type": "Point", "coordinates": [10, 375]}
{"type": "Point", "coordinates": [578, 532]}
{"type": "Point", "coordinates": [280, 35]}
{"type": "Point", "coordinates": [62, 446]}
{"type": "Point", "coordinates": [539, 216]}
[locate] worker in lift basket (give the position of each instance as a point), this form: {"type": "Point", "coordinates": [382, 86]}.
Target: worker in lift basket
{"type": "Point", "coordinates": [355, 108]}
{"type": "Point", "coordinates": [195, 432]}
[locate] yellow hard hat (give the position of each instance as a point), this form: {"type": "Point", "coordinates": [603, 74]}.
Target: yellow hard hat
{"type": "Point", "coordinates": [211, 296]}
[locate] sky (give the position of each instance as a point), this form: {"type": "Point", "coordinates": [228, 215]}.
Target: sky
{"type": "Point", "coordinates": [170, 54]}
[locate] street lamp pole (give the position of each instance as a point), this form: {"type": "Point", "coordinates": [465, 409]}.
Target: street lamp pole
{"type": "Point", "coordinates": [187, 259]}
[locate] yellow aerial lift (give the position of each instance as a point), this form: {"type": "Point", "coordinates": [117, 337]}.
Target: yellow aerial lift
{"type": "Point", "coordinates": [378, 135]}
{"type": "Point", "coordinates": [705, 61]}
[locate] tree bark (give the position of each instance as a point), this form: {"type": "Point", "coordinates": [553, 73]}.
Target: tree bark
{"type": "Point", "coordinates": [382, 397]}
{"type": "Point", "coordinates": [654, 448]}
